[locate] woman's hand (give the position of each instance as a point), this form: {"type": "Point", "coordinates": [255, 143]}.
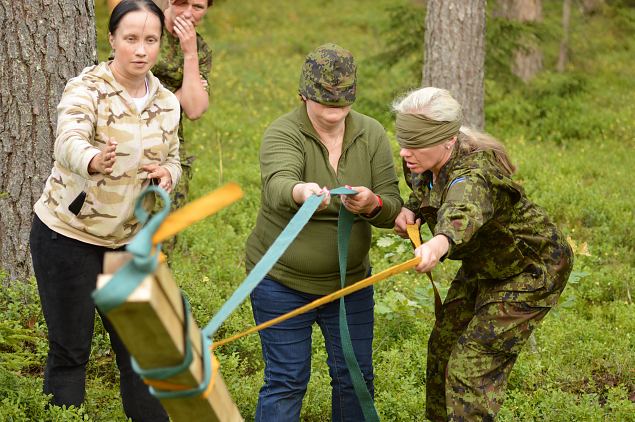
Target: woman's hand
{"type": "Point", "coordinates": [363, 203]}
{"type": "Point", "coordinates": [105, 160]}
{"type": "Point", "coordinates": [431, 252]}
{"type": "Point", "coordinates": [303, 191]}
{"type": "Point", "coordinates": [184, 30]}
{"type": "Point", "coordinates": [155, 171]}
{"type": "Point", "coordinates": [404, 218]}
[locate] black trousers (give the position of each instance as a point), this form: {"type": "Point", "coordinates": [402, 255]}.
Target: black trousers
{"type": "Point", "coordinates": [66, 271]}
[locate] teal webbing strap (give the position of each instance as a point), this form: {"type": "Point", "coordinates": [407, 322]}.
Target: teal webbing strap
{"type": "Point", "coordinates": [207, 376]}
{"type": "Point", "coordinates": [344, 227]}
{"type": "Point", "coordinates": [268, 260]}
{"type": "Point", "coordinates": [169, 371]}
{"type": "Point", "coordinates": [131, 275]}
{"type": "Point", "coordinates": [143, 263]}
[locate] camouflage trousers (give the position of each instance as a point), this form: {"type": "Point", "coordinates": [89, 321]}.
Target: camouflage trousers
{"type": "Point", "coordinates": [178, 197]}
{"type": "Point", "coordinates": [181, 190]}
{"type": "Point", "coordinates": [473, 347]}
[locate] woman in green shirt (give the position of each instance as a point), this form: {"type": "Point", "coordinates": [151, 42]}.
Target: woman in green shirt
{"type": "Point", "coordinates": [320, 145]}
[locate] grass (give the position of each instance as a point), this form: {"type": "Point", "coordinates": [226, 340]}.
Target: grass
{"type": "Point", "coordinates": [571, 135]}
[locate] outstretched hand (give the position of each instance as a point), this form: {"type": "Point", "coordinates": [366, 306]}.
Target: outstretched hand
{"type": "Point", "coordinates": [164, 177]}
{"type": "Point", "coordinates": [105, 160]}
{"type": "Point", "coordinates": [303, 191]}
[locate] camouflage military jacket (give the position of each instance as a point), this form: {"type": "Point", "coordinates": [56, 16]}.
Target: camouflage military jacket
{"type": "Point", "coordinates": [493, 228]}
{"type": "Point", "coordinates": [169, 66]}
{"type": "Point", "coordinates": [98, 209]}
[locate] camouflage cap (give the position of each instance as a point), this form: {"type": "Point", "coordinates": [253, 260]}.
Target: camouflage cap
{"type": "Point", "coordinates": [329, 76]}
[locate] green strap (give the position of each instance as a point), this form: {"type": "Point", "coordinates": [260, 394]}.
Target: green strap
{"type": "Point", "coordinates": [344, 227]}
{"type": "Point", "coordinates": [170, 371]}
{"type": "Point", "coordinates": [143, 262]}
{"type": "Point", "coordinates": [268, 260]}
{"type": "Point", "coordinates": [131, 275]}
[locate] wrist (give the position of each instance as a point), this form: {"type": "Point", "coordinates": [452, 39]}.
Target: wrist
{"type": "Point", "coordinates": [377, 209]}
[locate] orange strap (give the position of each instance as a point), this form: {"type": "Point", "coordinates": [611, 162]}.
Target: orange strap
{"type": "Point", "coordinates": [197, 210]}
{"type": "Point", "coordinates": [325, 299]}
{"type": "Point", "coordinates": [415, 237]}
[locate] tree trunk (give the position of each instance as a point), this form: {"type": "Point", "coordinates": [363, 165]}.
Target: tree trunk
{"type": "Point", "coordinates": [49, 42]}
{"type": "Point", "coordinates": [455, 53]}
{"type": "Point", "coordinates": [563, 57]}
{"type": "Point", "coordinates": [527, 59]}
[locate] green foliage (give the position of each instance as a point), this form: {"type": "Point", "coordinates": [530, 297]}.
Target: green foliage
{"type": "Point", "coordinates": [571, 135]}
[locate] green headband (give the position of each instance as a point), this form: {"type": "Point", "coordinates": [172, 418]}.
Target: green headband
{"type": "Point", "coordinates": [417, 131]}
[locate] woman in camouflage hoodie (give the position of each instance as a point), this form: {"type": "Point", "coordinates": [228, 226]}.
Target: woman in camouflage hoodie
{"type": "Point", "coordinates": [116, 132]}
{"type": "Point", "coordinates": [515, 262]}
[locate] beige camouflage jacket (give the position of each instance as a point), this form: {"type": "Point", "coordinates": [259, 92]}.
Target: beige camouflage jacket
{"type": "Point", "coordinates": [99, 209]}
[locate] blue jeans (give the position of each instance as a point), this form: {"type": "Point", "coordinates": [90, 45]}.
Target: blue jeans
{"type": "Point", "coordinates": [286, 349]}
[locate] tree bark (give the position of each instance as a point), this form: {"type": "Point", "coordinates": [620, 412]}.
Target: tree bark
{"type": "Point", "coordinates": [455, 53]}
{"type": "Point", "coordinates": [49, 42]}
{"type": "Point", "coordinates": [527, 59]}
{"type": "Point", "coordinates": [563, 57]}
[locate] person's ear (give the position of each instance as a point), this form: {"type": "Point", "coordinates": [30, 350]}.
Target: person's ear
{"type": "Point", "coordinates": [111, 40]}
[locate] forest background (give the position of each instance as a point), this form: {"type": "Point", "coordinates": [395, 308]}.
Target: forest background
{"type": "Point", "coordinates": [571, 134]}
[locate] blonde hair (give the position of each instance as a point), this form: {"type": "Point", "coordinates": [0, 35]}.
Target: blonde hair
{"type": "Point", "coordinates": [438, 104]}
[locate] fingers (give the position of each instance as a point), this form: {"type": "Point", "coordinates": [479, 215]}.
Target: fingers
{"type": "Point", "coordinates": [184, 30]}
{"type": "Point", "coordinates": [400, 226]}
{"type": "Point", "coordinates": [429, 259]}
{"type": "Point", "coordinates": [166, 184]}
{"type": "Point", "coordinates": [361, 203]}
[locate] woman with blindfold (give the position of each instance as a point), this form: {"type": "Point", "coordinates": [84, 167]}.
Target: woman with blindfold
{"type": "Point", "coordinates": [514, 261]}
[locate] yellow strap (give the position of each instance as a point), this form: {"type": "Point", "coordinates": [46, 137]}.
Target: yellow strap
{"type": "Point", "coordinates": [415, 237]}
{"type": "Point", "coordinates": [197, 210]}
{"type": "Point", "coordinates": [325, 299]}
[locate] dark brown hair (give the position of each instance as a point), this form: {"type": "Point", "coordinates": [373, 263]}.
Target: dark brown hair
{"type": "Point", "coordinates": [126, 6]}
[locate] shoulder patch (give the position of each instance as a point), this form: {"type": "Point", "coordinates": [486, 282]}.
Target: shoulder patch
{"type": "Point", "coordinates": [456, 189]}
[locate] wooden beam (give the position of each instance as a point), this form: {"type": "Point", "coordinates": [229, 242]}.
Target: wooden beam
{"type": "Point", "coordinates": [150, 323]}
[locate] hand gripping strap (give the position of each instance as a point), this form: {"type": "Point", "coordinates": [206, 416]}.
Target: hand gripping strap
{"type": "Point", "coordinates": [268, 260]}
{"type": "Point", "coordinates": [415, 237]}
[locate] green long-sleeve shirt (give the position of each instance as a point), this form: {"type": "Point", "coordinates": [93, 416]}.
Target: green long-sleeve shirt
{"type": "Point", "coordinates": [291, 153]}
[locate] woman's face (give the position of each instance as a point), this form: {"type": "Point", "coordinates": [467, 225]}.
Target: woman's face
{"type": "Point", "coordinates": [421, 160]}
{"type": "Point", "coordinates": [326, 115]}
{"type": "Point", "coordinates": [136, 42]}
{"type": "Point", "coordinates": [192, 10]}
